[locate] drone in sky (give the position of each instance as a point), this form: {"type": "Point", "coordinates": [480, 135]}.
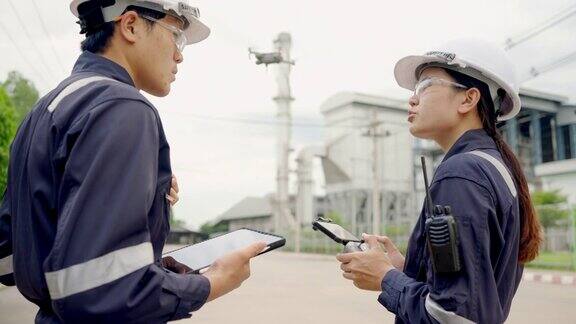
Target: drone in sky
{"type": "Point", "coordinates": [268, 58]}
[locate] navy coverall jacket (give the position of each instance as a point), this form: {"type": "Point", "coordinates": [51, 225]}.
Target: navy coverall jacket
{"type": "Point", "coordinates": [84, 218]}
{"type": "Point", "coordinates": [480, 190]}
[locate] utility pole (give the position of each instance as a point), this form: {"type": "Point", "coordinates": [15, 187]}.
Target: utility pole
{"type": "Point", "coordinates": [281, 59]}
{"type": "Point", "coordinates": [573, 223]}
{"type": "Point", "coordinates": [376, 208]}
{"type": "Point", "coordinates": [376, 171]}
{"type": "Point", "coordinates": [283, 45]}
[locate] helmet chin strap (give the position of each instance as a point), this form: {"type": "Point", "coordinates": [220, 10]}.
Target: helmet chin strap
{"type": "Point", "coordinates": [180, 18]}
{"type": "Point", "coordinates": [91, 17]}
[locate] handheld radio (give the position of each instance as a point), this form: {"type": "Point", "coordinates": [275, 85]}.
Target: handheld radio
{"type": "Point", "coordinates": [441, 234]}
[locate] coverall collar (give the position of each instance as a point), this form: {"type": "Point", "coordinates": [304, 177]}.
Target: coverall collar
{"type": "Point", "coordinates": [475, 139]}
{"type": "Point", "coordinates": [90, 62]}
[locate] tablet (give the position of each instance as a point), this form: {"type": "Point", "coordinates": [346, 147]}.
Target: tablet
{"type": "Point", "coordinates": [201, 255]}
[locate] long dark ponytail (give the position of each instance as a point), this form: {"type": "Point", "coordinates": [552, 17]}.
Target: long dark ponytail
{"type": "Point", "coordinates": [530, 229]}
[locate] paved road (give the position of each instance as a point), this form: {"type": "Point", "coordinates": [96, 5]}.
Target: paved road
{"type": "Point", "coordinates": [288, 288]}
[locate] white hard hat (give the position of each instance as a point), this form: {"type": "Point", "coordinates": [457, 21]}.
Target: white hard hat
{"type": "Point", "coordinates": [476, 58]}
{"type": "Point", "coordinates": [194, 29]}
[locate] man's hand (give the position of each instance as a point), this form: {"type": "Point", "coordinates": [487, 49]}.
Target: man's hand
{"type": "Point", "coordinates": [228, 272]}
{"type": "Point", "coordinates": [366, 269]}
{"type": "Point", "coordinates": [171, 264]}
{"type": "Point", "coordinates": [174, 190]}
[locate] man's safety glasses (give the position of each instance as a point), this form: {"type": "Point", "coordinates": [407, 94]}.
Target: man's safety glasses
{"type": "Point", "coordinates": [179, 36]}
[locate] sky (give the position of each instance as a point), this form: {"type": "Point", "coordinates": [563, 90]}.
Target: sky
{"type": "Point", "coordinates": [338, 46]}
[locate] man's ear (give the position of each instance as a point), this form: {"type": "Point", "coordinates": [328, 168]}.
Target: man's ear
{"type": "Point", "coordinates": [469, 101]}
{"type": "Point", "coordinates": [129, 26]}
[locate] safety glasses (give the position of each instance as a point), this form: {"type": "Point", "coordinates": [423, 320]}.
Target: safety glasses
{"type": "Point", "coordinates": [424, 84]}
{"type": "Point", "coordinates": [179, 36]}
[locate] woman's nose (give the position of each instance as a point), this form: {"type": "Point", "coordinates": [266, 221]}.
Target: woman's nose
{"type": "Point", "coordinates": [413, 101]}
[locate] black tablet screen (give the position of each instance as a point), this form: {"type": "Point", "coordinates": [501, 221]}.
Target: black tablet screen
{"type": "Point", "coordinates": [339, 232]}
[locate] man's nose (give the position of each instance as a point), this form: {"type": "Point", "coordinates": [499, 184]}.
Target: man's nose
{"type": "Point", "coordinates": [178, 57]}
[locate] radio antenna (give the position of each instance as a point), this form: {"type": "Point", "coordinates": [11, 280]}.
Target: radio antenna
{"type": "Point", "coordinates": [427, 185]}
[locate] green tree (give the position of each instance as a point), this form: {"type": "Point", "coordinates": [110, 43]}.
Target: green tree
{"type": "Point", "coordinates": [209, 228]}
{"type": "Point", "coordinates": [548, 206]}
{"type": "Point", "coordinates": [336, 218]}
{"type": "Point", "coordinates": [175, 222]}
{"type": "Point", "coordinates": [22, 92]}
{"type": "Point", "coordinates": [7, 131]}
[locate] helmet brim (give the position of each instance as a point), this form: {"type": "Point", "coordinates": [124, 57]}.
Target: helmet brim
{"type": "Point", "coordinates": [197, 31]}
{"type": "Point", "coordinates": [406, 69]}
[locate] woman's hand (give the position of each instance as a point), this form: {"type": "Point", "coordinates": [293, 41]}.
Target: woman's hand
{"type": "Point", "coordinates": [366, 269]}
{"type": "Point", "coordinates": [173, 195]}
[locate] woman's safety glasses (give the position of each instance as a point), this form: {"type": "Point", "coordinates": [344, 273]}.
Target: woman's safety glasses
{"type": "Point", "coordinates": [424, 84]}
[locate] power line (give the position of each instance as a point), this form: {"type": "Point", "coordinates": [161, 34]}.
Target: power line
{"type": "Point", "coordinates": [32, 66]}
{"type": "Point", "coordinates": [535, 72]}
{"type": "Point", "coordinates": [37, 11]}
{"type": "Point", "coordinates": [549, 23]}
{"type": "Point", "coordinates": [39, 53]}
{"type": "Point", "coordinates": [249, 121]}
{"type": "Point", "coordinates": [273, 123]}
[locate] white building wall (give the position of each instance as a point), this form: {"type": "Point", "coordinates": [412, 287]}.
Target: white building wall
{"type": "Point", "coordinates": [348, 117]}
{"type": "Point", "coordinates": [351, 150]}
{"type": "Point", "coordinates": [559, 175]}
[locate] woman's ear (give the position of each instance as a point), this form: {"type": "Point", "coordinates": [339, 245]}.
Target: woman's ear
{"type": "Point", "coordinates": [469, 101]}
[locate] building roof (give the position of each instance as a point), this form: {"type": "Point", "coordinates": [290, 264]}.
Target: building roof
{"type": "Point", "coordinates": [181, 229]}
{"type": "Point", "coordinates": [555, 168]}
{"type": "Point", "coordinates": [542, 95]}
{"type": "Point", "coordinates": [345, 98]}
{"type": "Point", "coordinates": [249, 207]}
{"type": "Point", "coordinates": [260, 207]}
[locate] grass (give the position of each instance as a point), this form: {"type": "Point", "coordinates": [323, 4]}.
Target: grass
{"type": "Point", "coordinates": [545, 260]}
{"type": "Point", "coordinates": [553, 260]}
